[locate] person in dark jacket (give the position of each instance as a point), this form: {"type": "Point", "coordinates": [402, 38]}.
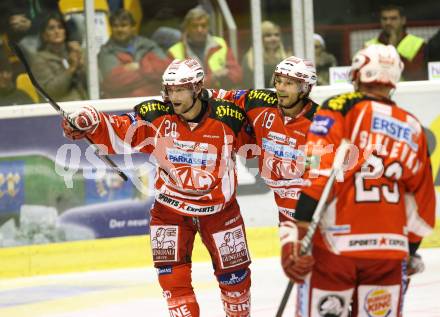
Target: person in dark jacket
{"type": "Point", "coordinates": [130, 65]}
{"type": "Point", "coordinates": [9, 94]}
{"type": "Point", "coordinates": [410, 47]}
{"type": "Point", "coordinates": [59, 65]}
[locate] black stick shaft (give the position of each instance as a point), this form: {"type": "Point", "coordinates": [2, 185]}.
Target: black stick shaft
{"type": "Point", "coordinates": [284, 300]}
{"type": "Point", "coordinates": [60, 110]}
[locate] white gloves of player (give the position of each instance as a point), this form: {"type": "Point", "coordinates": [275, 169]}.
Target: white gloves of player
{"type": "Point", "coordinates": [295, 266]}
{"type": "Point", "coordinates": [85, 121]}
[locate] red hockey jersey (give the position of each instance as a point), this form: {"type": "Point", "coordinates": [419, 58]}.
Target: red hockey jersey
{"type": "Point", "coordinates": [280, 140]}
{"type": "Point", "coordinates": [195, 162]}
{"type": "Point", "coordinates": [387, 197]}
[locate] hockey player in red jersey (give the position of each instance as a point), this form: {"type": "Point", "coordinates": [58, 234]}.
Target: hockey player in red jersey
{"type": "Point", "coordinates": [280, 121]}
{"type": "Point", "coordinates": [194, 140]}
{"type": "Point", "coordinates": [377, 216]}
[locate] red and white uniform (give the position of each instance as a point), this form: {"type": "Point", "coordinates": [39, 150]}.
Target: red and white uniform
{"type": "Point", "coordinates": [196, 192]}
{"type": "Point", "coordinates": [195, 165]}
{"type": "Point", "coordinates": [386, 201]}
{"type": "Point", "coordinates": [279, 138]}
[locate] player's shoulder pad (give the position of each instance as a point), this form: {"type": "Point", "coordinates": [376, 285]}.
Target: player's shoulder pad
{"type": "Point", "coordinates": [344, 102]}
{"type": "Point", "coordinates": [152, 109]}
{"type": "Point", "coordinates": [260, 98]}
{"type": "Point", "coordinates": [228, 113]}
{"type": "Point", "coordinates": [311, 113]}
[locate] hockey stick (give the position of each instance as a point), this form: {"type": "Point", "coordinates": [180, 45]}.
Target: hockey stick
{"type": "Point", "coordinates": [306, 242]}
{"type": "Point", "coordinates": [19, 53]}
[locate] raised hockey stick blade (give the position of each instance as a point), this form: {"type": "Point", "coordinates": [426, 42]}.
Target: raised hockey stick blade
{"type": "Point", "coordinates": [19, 53]}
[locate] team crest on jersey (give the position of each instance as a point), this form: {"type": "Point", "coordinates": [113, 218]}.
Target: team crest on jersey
{"type": "Point", "coordinates": [232, 247]}
{"type": "Point", "coordinates": [192, 178]}
{"type": "Point", "coordinates": [321, 125]}
{"type": "Point", "coordinates": [164, 243]}
{"type": "Point", "coordinates": [378, 302]}
{"type": "Point", "coordinates": [395, 129]}
{"type": "Point", "coordinates": [282, 169]}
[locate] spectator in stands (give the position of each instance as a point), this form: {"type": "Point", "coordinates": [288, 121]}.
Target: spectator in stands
{"type": "Point", "coordinates": [273, 53]}
{"type": "Point", "coordinates": [21, 30]}
{"type": "Point", "coordinates": [166, 37]}
{"type": "Point", "coordinates": [23, 19]}
{"type": "Point", "coordinates": [323, 60]}
{"type": "Point", "coordinates": [222, 69]}
{"type": "Point", "coordinates": [130, 65]}
{"type": "Point", "coordinates": [59, 65]}
{"type": "Point", "coordinates": [433, 48]}
{"type": "Point", "coordinates": [9, 94]}
{"type": "Point", "coordinates": [411, 48]}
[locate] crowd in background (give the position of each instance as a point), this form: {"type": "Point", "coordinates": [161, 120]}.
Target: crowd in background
{"type": "Point", "coordinates": [130, 64]}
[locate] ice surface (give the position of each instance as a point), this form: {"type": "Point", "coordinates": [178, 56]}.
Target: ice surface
{"type": "Point", "coordinates": [135, 292]}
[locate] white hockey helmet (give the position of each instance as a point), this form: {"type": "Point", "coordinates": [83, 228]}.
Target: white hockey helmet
{"type": "Point", "coordinates": [297, 68]}
{"type": "Point", "coordinates": [377, 63]}
{"type": "Point", "coordinates": [183, 72]}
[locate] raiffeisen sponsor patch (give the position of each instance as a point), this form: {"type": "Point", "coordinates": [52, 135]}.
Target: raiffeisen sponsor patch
{"type": "Point", "coordinates": [190, 145]}
{"type": "Point", "coordinates": [395, 129]}
{"type": "Point", "coordinates": [191, 158]}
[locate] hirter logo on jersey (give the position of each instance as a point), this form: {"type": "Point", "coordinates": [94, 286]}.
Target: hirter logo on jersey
{"type": "Point", "coordinates": [226, 110]}
{"type": "Point", "coordinates": [232, 247]}
{"type": "Point", "coordinates": [152, 106]}
{"type": "Point", "coordinates": [164, 243]}
{"type": "Point", "coordinates": [321, 125]}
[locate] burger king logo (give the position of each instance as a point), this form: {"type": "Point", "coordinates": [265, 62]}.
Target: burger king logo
{"type": "Point", "coordinates": [378, 303]}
